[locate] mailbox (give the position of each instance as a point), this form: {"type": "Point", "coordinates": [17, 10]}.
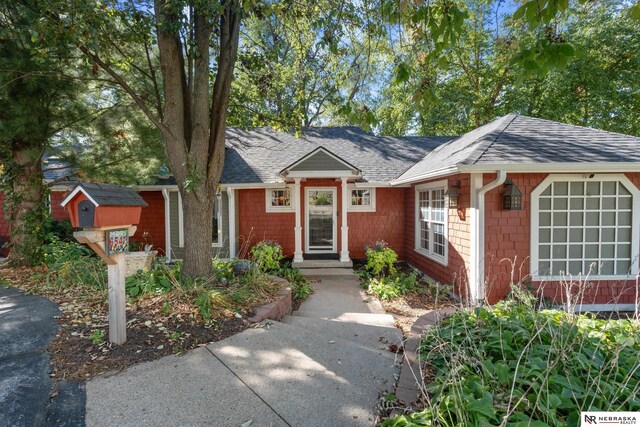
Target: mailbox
{"type": "Point", "coordinates": [93, 205]}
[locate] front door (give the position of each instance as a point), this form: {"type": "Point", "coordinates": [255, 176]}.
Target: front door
{"type": "Point", "coordinates": [320, 220]}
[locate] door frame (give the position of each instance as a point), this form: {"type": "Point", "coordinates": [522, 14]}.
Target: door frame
{"type": "Point", "coordinates": [334, 247]}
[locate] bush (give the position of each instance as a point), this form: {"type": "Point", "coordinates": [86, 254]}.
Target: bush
{"type": "Point", "coordinates": [380, 259]}
{"type": "Point", "coordinates": [223, 270]}
{"type": "Point", "coordinates": [388, 288]}
{"type": "Point", "coordinates": [267, 256]}
{"type": "Point", "coordinates": [156, 281]}
{"type": "Point", "coordinates": [536, 368]}
{"type": "Point", "coordinates": [72, 264]}
{"type": "Point", "coordinates": [300, 287]}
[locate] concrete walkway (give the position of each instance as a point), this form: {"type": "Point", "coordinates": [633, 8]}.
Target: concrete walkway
{"type": "Point", "coordinates": [323, 366]}
{"type": "Point", "coordinates": [26, 327]}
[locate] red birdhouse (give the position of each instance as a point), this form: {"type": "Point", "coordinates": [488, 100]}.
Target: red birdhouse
{"type": "Point", "coordinates": [92, 205]}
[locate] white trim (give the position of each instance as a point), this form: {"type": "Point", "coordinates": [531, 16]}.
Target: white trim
{"type": "Point", "coordinates": [49, 203]}
{"type": "Point", "coordinates": [255, 185]}
{"type": "Point", "coordinates": [180, 222]}
{"type": "Point", "coordinates": [449, 170]}
{"type": "Point", "coordinates": [595, 308]}
{"type": "Point", "coordinates": [635, 222]}
{"type": "Point", "coordinates": [61, 187]}
{"type": "Point", "coordinates": [476, 255]}
{"type": "Point", "coordinates": [73, 194]}
{"type": "Point", "coordinates": [155, 187]}
{"type": "Point", "coordinates": [361, 208]}
{"type": "Point", "coordinates": [231, 199]}
{"type": "Point", "coordinates": [349, 167]}
{"type": "Point", "coordinates": [371, 184]}
{"type": "Point", "coordinates": [334, 247]}
{"type": "Point", "coordinates": [167, 224]}
{"type": "Point", "coordinates": [298, 255]}
{"type": "Point", "coordinates": [344, 229]}
{"type": "Point", "coordinates": [324, 174]}
{"type": "Point", "coordinates": [217, 210]}
{"type": "Point", "coordinates": [430, 186]}
{"type": "Point", "coordinates": [274, 209]}
{"type": "Point", "coordinates": [609, 167]}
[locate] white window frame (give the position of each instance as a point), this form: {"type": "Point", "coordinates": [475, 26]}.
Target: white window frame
{"type": "Point", "coordinates": [292, 202]}
{"type": "Point", "coordinates": [430, 186]}
{"type": "Point", "coordinates": [218, 211]}
{"type": "Point", "coordinates": [362, 208]}
{"type": "Point", "coordinates": [535, 219]}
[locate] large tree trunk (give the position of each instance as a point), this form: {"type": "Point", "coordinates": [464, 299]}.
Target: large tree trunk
{"type": "Point", "coordinates": [26, 207]}
{"type": "Point", "coordinates": [198, 229]}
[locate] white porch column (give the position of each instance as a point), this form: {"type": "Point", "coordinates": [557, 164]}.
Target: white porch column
{"type": "Point", "coordinates": [297, 199]}
{"type": "Point", "coordinates": [167, 225]}
{"type": "Point", "coordinates": [231, 199]}
{"type": "Point", "coordinates": [344, 252]}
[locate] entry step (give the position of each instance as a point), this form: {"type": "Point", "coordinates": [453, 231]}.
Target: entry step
{"type": "Point", "coordinates": [317, 263]}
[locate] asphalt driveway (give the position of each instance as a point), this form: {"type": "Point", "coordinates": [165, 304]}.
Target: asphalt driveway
{"type": "Point", "coordinates": [26, 327]}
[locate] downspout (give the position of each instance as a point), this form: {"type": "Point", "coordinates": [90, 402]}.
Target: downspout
{"type": "Point", "coordinates": [477, 278]}
{"type": "Point", "coordinates": [167, 225]}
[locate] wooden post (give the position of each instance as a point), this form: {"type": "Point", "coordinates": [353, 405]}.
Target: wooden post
{"type": "Point", "coordinates": [116, 271]}
{"type": "Point", "coordinates": [117, 300]}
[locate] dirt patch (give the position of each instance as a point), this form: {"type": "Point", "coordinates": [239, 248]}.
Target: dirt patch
{"type": "Point", "coordinates": [406, 309]}
{"type": "Point", "coordinates": [157, 326]}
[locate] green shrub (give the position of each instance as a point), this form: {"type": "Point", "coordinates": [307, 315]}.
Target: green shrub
{"type": "Point", "coordinates": [300, 287]}
{"type": "Point", "coordinates": [389, 288]}
{"type": "Point", "coordinates": [380, 259]}
{"type": "Point", "coordinates": [223, 270]}
{"type": "Point", "coordinates": [537, 368]}
{"type": "Point", "coordinates": [71, 264]}
{"type": "Point", "coordinates": [267, 256]}
{"type": "Point", "coordinates": [155, 281]}
{"type": "Point", "coordinates": [59, 252]}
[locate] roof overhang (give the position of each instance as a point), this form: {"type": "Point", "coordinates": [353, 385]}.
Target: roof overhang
{"type": "Point", "coordinates": [601, 167]}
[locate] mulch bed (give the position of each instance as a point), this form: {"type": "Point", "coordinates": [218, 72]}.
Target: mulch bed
{"type": "Point", "coordinates": [153, 331]}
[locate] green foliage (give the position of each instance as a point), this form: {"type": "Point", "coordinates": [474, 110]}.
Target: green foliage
{"type": "Point", "coordinates": [72, 264]}
{"type": "Point", "coordinates": [267, 256]}
{"type": "Point", "coordinates": [300, 287]}
{"type": "Point", "coordinates": [380, 259]}
{"type": "Point", "coordinates": [97, 337]}
{"type": "Point", "coordinates": [223, 270]}
{"type": "Point", "coordinates": [156, 281]}
{"type": "Point", "coordinates": [535, 367]}
{"type": "Point", "coordinates": [388, 288]}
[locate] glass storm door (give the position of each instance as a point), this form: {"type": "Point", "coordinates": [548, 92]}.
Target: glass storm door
{"type": "Point", "coordinates": [321, 220]}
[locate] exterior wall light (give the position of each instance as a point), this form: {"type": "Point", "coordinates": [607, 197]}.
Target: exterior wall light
{"type": "Point", "coordinates": [453, 194]}
{"type": "Point", "coordinates": [512, 197]}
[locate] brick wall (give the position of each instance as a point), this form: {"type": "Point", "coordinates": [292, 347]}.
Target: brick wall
{"type": "Point", "coordinates": [507, 248]}
{"type": "Point", "coordinates": [387, 223]}
{"type": "Point", "coordinates": [151, 229]}
{"type": "Point", "coordinates": [459, 239]}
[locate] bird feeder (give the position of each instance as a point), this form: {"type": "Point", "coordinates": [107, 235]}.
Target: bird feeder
{"type": "Point", "coordinates": [108, 215]}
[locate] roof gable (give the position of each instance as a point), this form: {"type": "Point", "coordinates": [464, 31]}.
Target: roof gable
{"type": "Point", "coordinates": [106, 195]}
{"type": "Point", "coordinates": [320, 159]}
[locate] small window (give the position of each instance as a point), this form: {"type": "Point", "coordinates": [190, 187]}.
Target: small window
{"type": "Point", "coordinates": [363, 200]}
{"type": "Point", "coordinates": [431, 222]}
{"type": "Point", "coordinates": [279, 199]}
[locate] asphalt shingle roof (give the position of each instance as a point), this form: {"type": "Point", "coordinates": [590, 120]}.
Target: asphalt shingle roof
{"type": "Point", "coordinates": [112, 195]}
{"type": "Point", "coordinates": [517, 139]}
{"type": "Point", "coordinates": [258, 155]}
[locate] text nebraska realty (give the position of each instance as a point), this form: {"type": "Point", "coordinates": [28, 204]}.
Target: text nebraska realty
{"type": "Point", "coordinates": [593, 419]}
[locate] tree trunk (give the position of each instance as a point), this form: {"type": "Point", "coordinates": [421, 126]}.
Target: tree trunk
{"type": "Point", "coordinates": [198, 229]}
{"type": "Point", "coordinates": [25, 203]}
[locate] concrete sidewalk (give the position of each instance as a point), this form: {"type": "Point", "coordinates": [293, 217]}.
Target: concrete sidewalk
{"type": "Point", "coordinates": [278, 374]}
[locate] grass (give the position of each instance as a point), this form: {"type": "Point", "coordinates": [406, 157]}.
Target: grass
{"type": "Point", "coordinates": [514, 365]}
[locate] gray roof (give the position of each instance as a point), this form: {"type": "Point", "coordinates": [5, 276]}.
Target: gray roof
{"type": "Point", "coordinates": [112, 195]}
{"type": "Point", "coordinates": [517, 139]}
{"type": "Point", "coordinates": [259, 155]}
{"type": "Point", "coordinates": [54, 169]}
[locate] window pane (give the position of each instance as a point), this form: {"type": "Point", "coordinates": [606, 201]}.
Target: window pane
{"type": "Point", "coordinates": [591, 251]}
{"type": "Point", "coordinates": [545, 219]}
{"type": "Point", "coordinates": [577, 188]}
{"type": "Point", "coordinates": [593, 188]}
{"type": "Point", "coordinates": [608, 218]}
{"type": "Point", "coordinates": [591, 235]}
{"type": "Point", "coordinates": [607, 267]}
{"type": "Point", "coordinates": [624, 218]}
{"type": "Point", "coordinates": [576, 204]}
{"type": "Point", "coordinates": [559, 203]}
{"type": "Point", "coordinates": [576, 218]}
{"type": "Point", "coordinates": [624, 234]}
{"type": "Point", "coordinates": [575, 267]}
{"type": "Point", "coordinates": [576, 235]}
{"type": "Point", "coordinates": [623, 266]}
{"type": "Point", "coordinates": [609, 188]}
{"type": "Point", "coordinates": [547, 191]}
{"type": "Point", "coordinates": [424, 235]}
{"type": "Point", "coordinates": [607, 251]}
{"type": "Point", "coordinates": [575, 251]}
{"type": "Point", "coordinates": [593, 203]}
{"type": "Point", "coordinates": [593, 219]}
{"type": "Point", "coordinates": [544, 235]}
{"type": "Point", "coordinates": [624, 251]}
{"type": "Point", "coordinates": [608, 234]}
{"type": "Point", "coordinates": [560, 235]}
{"type": "Point", "coordinates": [559, 267]}
{"type": "Point", "coordinates": [559, 251]}
{"type": "Point", "coordinates": [622, 190]}
{"type": "Point", "coordinates": [559, 218]}
{"type": "Point", "coordinates": [624, 203]}
{"type": "Point", "coordinates": [609, 203]}
{"type": "Point", "coordinates": [590, 267]}
{"type": "Point", "coordinates": [545, 252]}
{"type": "Point", "coordinates": [439, 240]}
{"type": "Point", "coordinates": [544, 267]}
{"type": "Point", "coordinates": [560, 188]}
{"type": "Point", "coordinates": [545, 203]}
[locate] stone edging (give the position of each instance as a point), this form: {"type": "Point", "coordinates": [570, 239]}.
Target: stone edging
{"type": "Point", "coordinates": [408, 389]}
{"type": "Point", "coordinates": [277, 309]}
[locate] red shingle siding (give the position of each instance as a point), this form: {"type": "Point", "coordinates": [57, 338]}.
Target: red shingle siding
{"type": "Point", "coordinates": [386, 223]}
{"type": "Point", "coordinates": [507, 248]}
{"type": "Point", "coordinates": [58, 212]}
{"type": "Point", "coordinates": [151, 229]}
{"type": "Point", "coordinates": [459, 239]}
{"type": "Point", "coordinates": [365, 228]}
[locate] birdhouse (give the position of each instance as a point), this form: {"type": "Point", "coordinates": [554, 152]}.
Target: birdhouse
{"type": "Point", "coordinates": [92, 205]}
